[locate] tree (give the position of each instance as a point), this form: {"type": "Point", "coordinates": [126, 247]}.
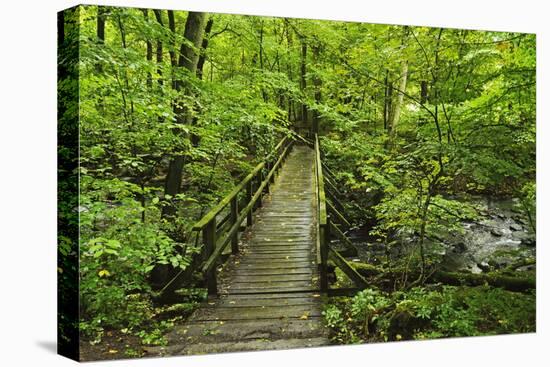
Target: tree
{"type": "Point", "coordinates": [188, 58]}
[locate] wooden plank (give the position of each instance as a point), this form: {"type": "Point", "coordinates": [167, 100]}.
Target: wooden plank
{"type": "Point", "coordinates": [259, 313]}
{"type": "Point", "coordinates": [334, 229]}
{"type": "Point", "coordinates": [211, 262]}
{"type": "Point", "coordinates": [332, 186]}
{"type": "Point", "coordinates": [277, 271]}
{"type": "Point", "coordinates": [242, 278]}
{"type": "Point", "coordinates": [240, 302]}
{"type": "Point", "coordinates": [269, 290]}
{"type": "Point", "coordinates": [347, 269]}
{"type": "Point", "coordinates": [280, 256]}
{"type": "Point", "coordinates": [337, 214]}
{"type": "Point", "coordinates": [280, 249]}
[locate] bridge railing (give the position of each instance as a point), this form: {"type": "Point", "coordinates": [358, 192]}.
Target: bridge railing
{"type": "Point", "coordinates": [218, 234]}
{"type": "Point", "coordinates": [329, 221]}
{"type": "Point", "coordinates": [323, 235]}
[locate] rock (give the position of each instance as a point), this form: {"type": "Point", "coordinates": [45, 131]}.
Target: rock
{"type": "Point", "coordinates": [526, 268]}
{"type": "Point", "coordinates": [497, 232]}
{"type": "Point", "coordinates": [515, 227]}
{"type": "Point", "coordinates": [484, 266]}
{"type": "Point", "coordinates": [529, 242]}
{"type": "Point", "coordinates": [501, 216]}
{"type": "Point", "coordinates": [520, 219]}
{"type": "Point", "coordinates": [459, 247]}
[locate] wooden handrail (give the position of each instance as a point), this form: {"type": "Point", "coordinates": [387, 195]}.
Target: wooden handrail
{"type": "Point", "coordinates": [211, 262]}
{"type": "Point", "coordinates": [320, 185]}
{"type": "Point", "coordinates": [216, 236]}
{"type": "Point", "coordinates": [227, 199]}
{"type": "Point", "coordinates": [323, 237]}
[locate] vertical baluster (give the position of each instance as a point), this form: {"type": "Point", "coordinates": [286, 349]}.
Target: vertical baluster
{"type": "Point", "coordinates": [248, 199]}
{"type": "Point", "coordinates": [324, 233]}
{"type": "Point", "coordinates": [260, 179]}
{"type": "Point", "coordinates": [209, 238]}
{"type": "Point", "coordinates": [234, 215]}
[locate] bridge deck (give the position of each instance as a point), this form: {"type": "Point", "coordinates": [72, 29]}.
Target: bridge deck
{"type": "Point", "coordinates": [268, 293]}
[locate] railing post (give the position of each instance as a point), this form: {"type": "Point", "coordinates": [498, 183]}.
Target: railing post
{"type": "Point", "coordinates": [260, 179]}
{"type": "Point", "coordinates": [248, 199]}
{"type": "Point", "coordinates": [324, 233]}
{"type": "Point", "coordinates": [234, 215]}
{"type": "Point", "coordinates": [267, 185]}
{"type": "Point", "coordinates": [209, 238]}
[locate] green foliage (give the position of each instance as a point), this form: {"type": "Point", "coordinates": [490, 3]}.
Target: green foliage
{"type": "Point", "coordinates": [422, 313]}
{"type": "Point", "coordinates": [466, 125]}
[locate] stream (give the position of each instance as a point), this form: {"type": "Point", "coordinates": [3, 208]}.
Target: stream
{"type": "Point", "coordinates": [502, 236]}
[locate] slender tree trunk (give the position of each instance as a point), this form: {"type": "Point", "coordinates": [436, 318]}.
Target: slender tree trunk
{"type": "Point", "coordinates": [195, 139]}
{"type": "Point", "coordinates": [158, 16]}
{"type": "Point", "coordinates": [204, 46]}
{"type": "Point", "coordinates": [100, 33]}
{"type": "Point", "coordinates": [317, 94]}
{"type": "Point", "coordinates": [261, 47]}
{"type": "Point", "coordinates": [399, 102]}
{"type": "Point", "coordinates": [388, 103]}
{"type": "Point", "coordinates": [101, 15]}
{"type": "Point", "coordinates": [188, 59]}
{"type": "Point", "coordinates": [171, 47]}
{"type": "Point", "coordinates": [149, 53]}
{"type": "Point", "coordinates": [423, 92]}
{"type": "Point", "coordinates": [303, 84]}
{"type": "Point", "coordinates": [385, 111]}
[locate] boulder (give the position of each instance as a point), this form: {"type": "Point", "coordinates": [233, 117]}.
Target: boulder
{"type": "Point", "coordinates": [484, 266]}
{"type": "Point", "coordinates": [529, 242]}
{"type": "Point", "coordinates": [459, 247]}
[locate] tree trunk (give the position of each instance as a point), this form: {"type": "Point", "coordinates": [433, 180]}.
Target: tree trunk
{"type": "Point", "coordinates": [195, 139]}
{"type": "Point", "coordinates": [399, 102]}
{"type": "Point", "coordinates": [101, 14]}
{"type": "Point", "coordinates": [158, 16]}
{"type": "Point", "coordinates": [204, 46]}
{"type": "Point", "coordinates": [149, 53]}
{"type": "Point", "coordinates": [188, 58]}
{"type": "Point", "coordinates": [100, 32]}
{"type": "Point", "coordinates": [303, 81]}
{"type": "Point", "coordinates": [423, 92]}
{"type": "Point", "coordinates": [511, 283]}
{"type": "Point", "coordinates": [317, 94]}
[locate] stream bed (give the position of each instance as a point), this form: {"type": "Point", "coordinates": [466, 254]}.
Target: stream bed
{"type": "Point", "coordinates": [501, 237]}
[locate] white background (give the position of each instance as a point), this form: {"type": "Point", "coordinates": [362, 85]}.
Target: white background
{"type": "Point", "coordinates": [28, 183]}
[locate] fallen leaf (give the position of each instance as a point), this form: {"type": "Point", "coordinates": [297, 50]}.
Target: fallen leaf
{"type": "Point", "coordinates": [103, 273]}
{"type": "Point", "coordinates": [113, 351]}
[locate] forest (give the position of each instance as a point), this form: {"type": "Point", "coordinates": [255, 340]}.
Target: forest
{"type": "Point", "coordinates": [429, 135]}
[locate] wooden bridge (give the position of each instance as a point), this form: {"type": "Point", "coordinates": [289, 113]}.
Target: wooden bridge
{"type": "Point", "coordinates": [269, 294]}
